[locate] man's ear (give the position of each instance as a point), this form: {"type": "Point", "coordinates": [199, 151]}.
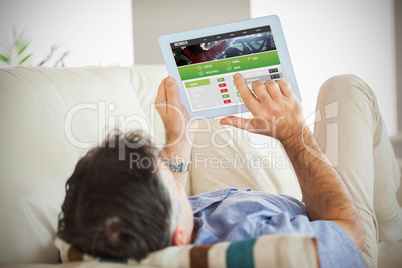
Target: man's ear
{"type": "Point", "coordinates": [179, 236]}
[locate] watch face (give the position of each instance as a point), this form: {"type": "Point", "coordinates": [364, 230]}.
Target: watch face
{"type": "Point", "coordinates": [179, 167]}
{"type": "Point", "coordinates": [173, 167]}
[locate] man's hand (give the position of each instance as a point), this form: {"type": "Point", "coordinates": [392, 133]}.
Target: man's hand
{"type": "Point", "coordinates": [179, 129]}
{"type": "Point", "coordinates": [277, 111]}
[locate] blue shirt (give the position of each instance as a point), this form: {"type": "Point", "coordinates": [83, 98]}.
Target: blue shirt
{"type": "Point", "coordinates": [231, 214]}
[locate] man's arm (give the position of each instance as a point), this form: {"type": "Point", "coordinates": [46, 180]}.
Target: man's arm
{"type": "Point", "coordinates": [324, 193]}
{"type": "Point", "coordinates": [179, 130]}
{"type": "Point", "coordinates": [278, 113]}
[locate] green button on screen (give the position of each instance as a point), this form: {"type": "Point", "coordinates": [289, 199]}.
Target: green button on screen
{"type": "Point", "coordinates": [197, 83]}
{"type": "Point", "coordinates": [225, 96]}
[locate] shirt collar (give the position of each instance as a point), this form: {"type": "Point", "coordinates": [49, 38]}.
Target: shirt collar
{"type": "Point", "coordinates": [202, 201]}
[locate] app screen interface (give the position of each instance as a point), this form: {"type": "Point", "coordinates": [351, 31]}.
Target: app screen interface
{"type": "Point", "coordinates": [207, 65]}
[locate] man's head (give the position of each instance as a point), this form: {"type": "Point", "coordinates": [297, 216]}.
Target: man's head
{"type": "Point", "coordinates": [118, 210]}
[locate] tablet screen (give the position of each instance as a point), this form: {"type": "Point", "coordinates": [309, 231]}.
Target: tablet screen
{"type": "Point", "coordinates": [207, 64]}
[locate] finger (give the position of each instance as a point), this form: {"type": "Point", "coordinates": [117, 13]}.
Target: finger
{"type": "Point", "coordinates": [172, 92]}
{"type": "Point", "coordinates": [273, 89]}
{"type": "Point", "coordinates": [285, 88]}
{"type": "Point", "coordinates": [161, 95]}
{"type": "Point", "coordinates": [238, 122]}
{"type": "Point", "coordinates": [260, 90]}
{"type": "Point", "coordinates": [249, 99]}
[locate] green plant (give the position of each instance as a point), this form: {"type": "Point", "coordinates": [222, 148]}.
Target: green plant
{"type": "Point", "coordinates": [16, 52]}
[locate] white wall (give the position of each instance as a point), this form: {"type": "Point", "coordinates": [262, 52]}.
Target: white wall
{"type": "Point", "coordinates": [327, 38]}
{"type": "Point", "coordinates": [156, 17]}
{"type": "Point", "coordinates": [398, 46]}
{"type": "Point", "coordinates": [97, 32]}
{"type": "Point", "coordinates": [324, 37]}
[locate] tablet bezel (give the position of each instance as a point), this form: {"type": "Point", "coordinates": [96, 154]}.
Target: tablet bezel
{"type": "Point", "coordinates": [281, 48]}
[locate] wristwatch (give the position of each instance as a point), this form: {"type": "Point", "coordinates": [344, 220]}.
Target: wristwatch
{"type": "Point", "coordinates": [180, 167]}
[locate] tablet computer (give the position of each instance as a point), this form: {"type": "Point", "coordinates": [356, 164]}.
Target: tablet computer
{"type": "Point", "coordinates": [204, 61]}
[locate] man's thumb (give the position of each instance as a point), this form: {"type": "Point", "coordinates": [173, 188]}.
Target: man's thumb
{"type": "Point", "coordinates": [172, 92]}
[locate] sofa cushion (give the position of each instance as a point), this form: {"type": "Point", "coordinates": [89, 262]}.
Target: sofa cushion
{"type": "Point", "coordinates": [145, 80]}
{"type": "Point", "coordinates": [49, 117]}
{"type": "Point", "coordinates": [266, 251]}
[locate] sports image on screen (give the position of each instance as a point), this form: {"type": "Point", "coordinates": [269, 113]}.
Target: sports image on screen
{"type": "Point", "coordinates": [206, 65]}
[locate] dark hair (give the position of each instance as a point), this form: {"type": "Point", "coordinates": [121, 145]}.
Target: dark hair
{"type": "Point", "coordinates": [114, 209]}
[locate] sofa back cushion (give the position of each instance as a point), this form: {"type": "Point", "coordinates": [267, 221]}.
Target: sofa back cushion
{"type": "Point", "coordinates": [145, 80]}
{"type": "Point", "coordinates": [49, 118]}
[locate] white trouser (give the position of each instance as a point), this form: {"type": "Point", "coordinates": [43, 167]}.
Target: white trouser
{"type": "Point", "coordinates": [350, 130]}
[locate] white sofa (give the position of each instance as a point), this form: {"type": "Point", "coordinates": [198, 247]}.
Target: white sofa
{"type": "Point", "coordinates": [49, 117]}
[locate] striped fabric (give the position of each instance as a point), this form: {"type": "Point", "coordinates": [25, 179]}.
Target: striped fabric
{"type": "Point", "coordinates": [285, 250]}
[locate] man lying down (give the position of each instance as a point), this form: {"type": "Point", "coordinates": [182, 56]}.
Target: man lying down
{"type": "Point", "coordinates": [115, 209]}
